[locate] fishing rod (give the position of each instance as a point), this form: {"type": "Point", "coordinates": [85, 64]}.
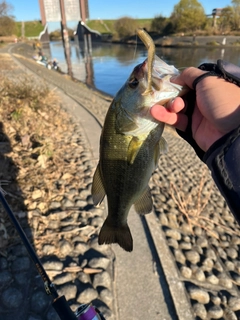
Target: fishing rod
{"type": "Point", "coordinates": [59, 303]}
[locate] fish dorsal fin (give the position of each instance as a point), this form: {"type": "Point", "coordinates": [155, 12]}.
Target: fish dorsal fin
{"type": "Point", "coordinates": [133, 149]}
{"type": "Point", "coordinates": [144, 204]}
{"type": "Point", "coordinates": [98, 191]}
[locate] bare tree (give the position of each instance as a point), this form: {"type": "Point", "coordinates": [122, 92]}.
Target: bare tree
{"type": "Point", "coordinates": [236, 11]}
{"type": "Point", "coordinates": [226, 19]}
{"type": "Point", "coordinates": [7, 23]}
{"type": "Point", "coordinates": [5, 9]}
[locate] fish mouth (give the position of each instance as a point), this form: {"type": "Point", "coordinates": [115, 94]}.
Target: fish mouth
{"type": "Point", "coordinates": [156, 81]}
{"type": "Point", "coordinates": [141, 73]}
{"type": "Point", "coordinates": [140, 70]}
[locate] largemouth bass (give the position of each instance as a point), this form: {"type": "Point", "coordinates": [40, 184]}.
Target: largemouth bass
{"type": "Point", "coordinates": [130, 146]}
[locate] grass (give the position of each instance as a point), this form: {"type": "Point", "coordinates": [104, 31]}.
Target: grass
{"type": "Point", "coordinates": [103, 26]}
{"type": "Point", "coordinates": [107, 26]}
{"type": "Point", "coordinates": [193, 208]}
{"type": "Point", "coordinates": [213, 43]}
{"type": "Point", "coordinates": [167, 42]}
{"type": "Point", "coordinates": [31, 28]}
{"type": "Point", "coordinates": [236, 43]}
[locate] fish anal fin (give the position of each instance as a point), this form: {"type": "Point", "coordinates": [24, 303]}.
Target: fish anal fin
{"type": "Point", "coordinates": [98, 192]}
{"type": "Point", "coordinates": [133, 149]}
{"type": "Point", "coordinates": [144, 204]}
{"type": "Point", "coordinates": [111, 234]}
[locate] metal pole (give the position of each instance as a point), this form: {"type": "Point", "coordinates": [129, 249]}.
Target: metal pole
{"type": "Point", "coordinates": [23, 29]}
{"type": "Point", "coordinates": [65, 39]}
{"type": "Point", "coordinates": [49, 287]}
{"type": "Point", "coordinates": [90, 43]}
{"type": "Point", "coordinates": [85, 44]}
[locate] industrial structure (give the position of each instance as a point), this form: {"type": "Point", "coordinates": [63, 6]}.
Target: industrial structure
{"type": "Point", "coordinates": [63, 10]}
{"type": "Point", "coordinates": [68, 10]}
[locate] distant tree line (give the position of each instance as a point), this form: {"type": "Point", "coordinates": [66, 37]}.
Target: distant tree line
{"type": "Point", "coordinates": [187, 17]}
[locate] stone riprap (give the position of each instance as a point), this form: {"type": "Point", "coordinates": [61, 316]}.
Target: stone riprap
{"type": "Point", "coordinates": [202, 236]}
{"type": "Point", "coordinates": [201, 232]}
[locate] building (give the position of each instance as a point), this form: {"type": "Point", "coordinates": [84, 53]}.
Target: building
{"type": "Point", "coordinates": [216, 12]}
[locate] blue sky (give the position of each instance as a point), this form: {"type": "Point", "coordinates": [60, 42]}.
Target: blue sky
{"type": "Point", "coordinates": [27, 10]}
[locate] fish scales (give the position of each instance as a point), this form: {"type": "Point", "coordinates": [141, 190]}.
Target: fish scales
{"type": "Point", "coordinates": [122, 179]}
{"type": "Point", "coordinates": [124, 182]}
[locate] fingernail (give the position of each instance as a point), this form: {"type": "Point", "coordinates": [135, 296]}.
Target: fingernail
{"type": "Point", "coordinates": [173, 78]}
{"type": "Point", "coordinates": [170, 102]}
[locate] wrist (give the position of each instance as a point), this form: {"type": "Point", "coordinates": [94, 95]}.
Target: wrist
{"type": "Point", "coordinates": [223, 141]}
{"type": "Point", "coordinates": [211, 141]}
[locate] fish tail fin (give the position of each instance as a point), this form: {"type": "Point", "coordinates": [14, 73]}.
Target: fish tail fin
{"type": "Point", "coordinates": [121, 235]}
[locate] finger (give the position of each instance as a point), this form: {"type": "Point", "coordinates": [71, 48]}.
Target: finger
{"type": "Point", "coordinates": [182, 122]}
{"type": "Point", "coordinates": [187, 77]}
{"type": "Point", "coordinates": [176, 105]}
{"type": "Point", "coordinates": [162, 114]}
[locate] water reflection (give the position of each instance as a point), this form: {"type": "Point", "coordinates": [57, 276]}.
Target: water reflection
{"type": "Point", "coordinates": [110, 64]}
{"type": "Point", "coordinates": [185, 57]}
{"type": "Point", "coordinates": [89, 71]}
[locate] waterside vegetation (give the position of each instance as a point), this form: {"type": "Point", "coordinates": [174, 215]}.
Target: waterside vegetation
{"type": "Point", "coordinates": [188, 18]}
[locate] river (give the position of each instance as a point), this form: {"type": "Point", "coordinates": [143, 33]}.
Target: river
{"type": "Point", "coordinates": [109, 65]}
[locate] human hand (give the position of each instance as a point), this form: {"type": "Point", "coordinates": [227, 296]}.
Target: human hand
{"type": "Point", "coordinates": [216, 110]}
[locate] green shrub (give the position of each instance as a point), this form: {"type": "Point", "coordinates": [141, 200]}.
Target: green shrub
{"type": "Point", "coordinates": [213, 43]}
{"type": "Point", "coordinates": [158, 24]}
{"type": "Point", "coordinates": [125, 27]}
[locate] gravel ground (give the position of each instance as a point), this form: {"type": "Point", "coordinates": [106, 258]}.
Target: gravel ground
{"type": "Point", "coordinates": [202, 236]}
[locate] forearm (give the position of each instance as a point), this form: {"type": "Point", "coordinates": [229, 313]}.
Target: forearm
{"type": "Point", "coordinates": [222, 158]}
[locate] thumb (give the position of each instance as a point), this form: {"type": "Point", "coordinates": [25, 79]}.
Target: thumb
{"type": "Point", "coordinates": [187, 76]}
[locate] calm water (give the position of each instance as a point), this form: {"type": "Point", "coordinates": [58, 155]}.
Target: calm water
{"type": "Point", "coordinates": [109, 65]}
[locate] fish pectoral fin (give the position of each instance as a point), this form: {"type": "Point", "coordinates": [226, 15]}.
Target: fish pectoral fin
{"type": "Point", "coordinates": [133, 149]}
{"type": "Point", "coordinates": [112, 234]}
{"type": "Point", "coordinates": [163, 145]}
{"type": "Point", "coordinates": [161, 148]}
{"type": "Point", "coordinates": [144, 204]}
{"type": "Point", "coordinates": [98, 191]}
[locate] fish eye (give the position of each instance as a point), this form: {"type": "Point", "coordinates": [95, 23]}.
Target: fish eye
{"type": "Point", "coordinates": [133, 83]}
